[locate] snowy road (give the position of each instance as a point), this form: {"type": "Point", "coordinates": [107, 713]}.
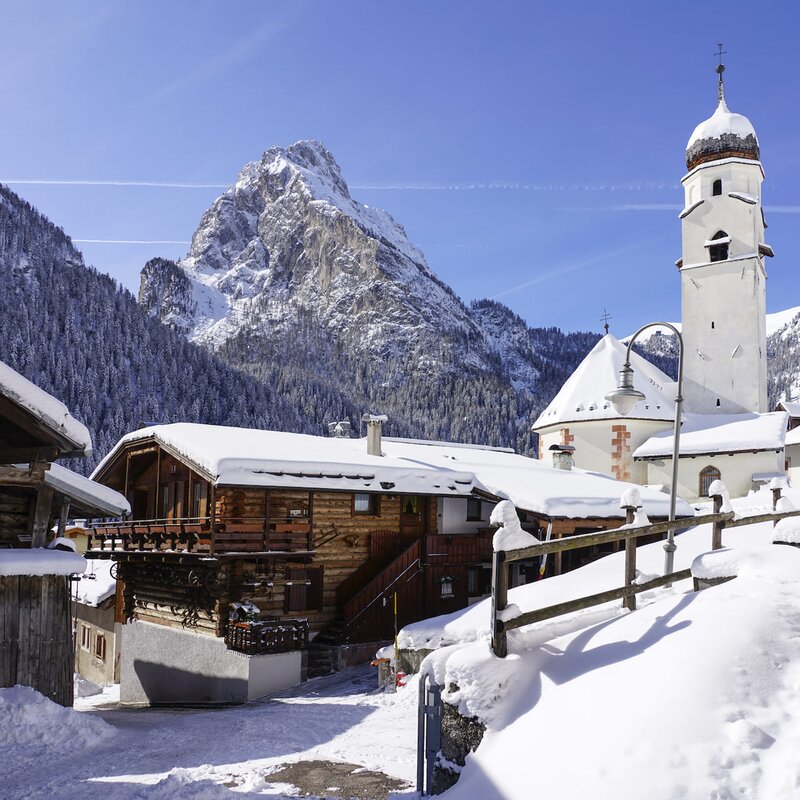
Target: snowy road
{"type": "Point", "coordinates": [197, 753]}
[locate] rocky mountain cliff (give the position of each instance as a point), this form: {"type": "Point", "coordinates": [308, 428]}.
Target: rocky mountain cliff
{"type": "Point", "coordinates": [287, 271]}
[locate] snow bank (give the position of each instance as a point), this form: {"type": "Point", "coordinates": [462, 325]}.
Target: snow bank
{"type": "Point", "coordinates": [787, 530]}
{"type": "Point", "coordinates": [694, 695]}
{"type": "Point", "coordinates": [752, 562]}
{"type": "Point", "coordinates": [509, 535]}
{"type": "Point", "coordinates": [30, 719]}
{"type": "Point", "coordinates": [40, 561]}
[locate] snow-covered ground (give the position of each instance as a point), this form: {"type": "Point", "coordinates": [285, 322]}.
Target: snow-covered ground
{"type": "Point", "coordinates": [695, 695]}
{"type": "Point", "coordinates": [105, 752]}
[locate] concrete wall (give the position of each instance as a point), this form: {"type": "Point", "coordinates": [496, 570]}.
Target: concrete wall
{"type": "Point", "coordinates": [599, 448]}
{"type": "Point", "coordinates": [793, 458]}
{"type": "Point", "coordinates": [736, 471]}
{"type": "Point", "coordinates": [162, 665]}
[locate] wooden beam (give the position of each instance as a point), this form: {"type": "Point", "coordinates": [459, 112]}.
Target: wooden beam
{"type": "Point", "coordinates": [62, 518]}
{"type": "Point", "coordinates": [737, 523]}
{"type": "Point", "coordinates": [592, 600]}
{"type": "Point", "coordinates": [15, 476]}
{"type": "Point", "coordinates": [41, 516]}
{"type": "Point", "coordinates": [499, 603]}
{"type": "Point", "coordinates": [618, 534]}
{"type": "Point", "coordinates": [27, 455]}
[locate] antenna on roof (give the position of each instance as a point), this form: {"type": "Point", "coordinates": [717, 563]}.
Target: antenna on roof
{"type": "Point", "coordinates": [720, 69]}
{"type": "Point", "coordinates": [605, 318]}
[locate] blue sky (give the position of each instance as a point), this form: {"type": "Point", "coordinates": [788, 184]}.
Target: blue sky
{"type": "Point", "coordinates": [532, 151]}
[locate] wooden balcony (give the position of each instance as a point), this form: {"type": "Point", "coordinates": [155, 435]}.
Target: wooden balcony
{"type": "Point", "coordinates": [246, 536]}
{"type": "Point", "coordinates": [265, 637]}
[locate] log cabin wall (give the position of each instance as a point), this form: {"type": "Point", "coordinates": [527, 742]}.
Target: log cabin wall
{"type": "Point", "coordinates": [342, 542]}
{"type": "Point", "coordinates": [15, 516]}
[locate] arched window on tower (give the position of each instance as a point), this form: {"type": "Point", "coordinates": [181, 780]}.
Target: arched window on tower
{"type": "Point", "coordinates": [707, 476]}
{"type": "Point", "coordinates": [718, 251]}
{"type": "Point", "coordinates": [716, 189]}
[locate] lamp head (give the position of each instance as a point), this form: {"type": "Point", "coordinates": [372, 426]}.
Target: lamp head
{"type": "Point", "coordinates": [625, 397]}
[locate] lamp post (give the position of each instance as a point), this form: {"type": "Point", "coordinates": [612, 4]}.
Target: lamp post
{"type": "Point", "coordinates": [625, 397]}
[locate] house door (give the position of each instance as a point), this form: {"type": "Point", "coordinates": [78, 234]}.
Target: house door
{"type": "Point", "coordinates": [412, 516]}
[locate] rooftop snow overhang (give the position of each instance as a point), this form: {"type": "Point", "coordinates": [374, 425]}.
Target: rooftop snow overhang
{"type": "Point", "coordinates": [85, 494]}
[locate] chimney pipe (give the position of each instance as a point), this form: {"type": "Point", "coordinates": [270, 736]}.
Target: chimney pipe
{"type": "Point", "coordinates": [562, 456]}
{"type": "Point", "coordinates": [374, 424]}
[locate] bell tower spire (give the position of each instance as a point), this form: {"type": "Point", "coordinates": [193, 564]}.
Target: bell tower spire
{"type": "Point", "coordinates": [723, 274]}
{"type": "Point", "coordinates": [720, 69]}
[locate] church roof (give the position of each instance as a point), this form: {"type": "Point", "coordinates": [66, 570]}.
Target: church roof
{"type": "Point", "coordinates": [582, 397]}
{"type": "Point", "coordinates": [724, 134]}
{"type": "Point", "coordinates": [708, 434]}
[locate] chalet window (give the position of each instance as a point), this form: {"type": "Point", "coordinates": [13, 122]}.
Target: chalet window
{"type": "Point", "coordinates": [410, 504]}
{"type": "Point", "coordinates": [86, 637]}
{"type": "Point", "coordinates": [707, 477]}
{"type": "Point", "coordinates": [719, 252]}
{"type": "Point", "coordinates": [100, 647]}
{"type": "Point", "coordinates": [473, 509]}
{"type": "Point", "coordinates": [716, 188]}
{"type": "Point", "coordinates": [367, 504]}
{"type": "Point", "coordinates": [199, 499]}
{"type": "Point", "coordinates": [166, 501]}
{"type": "Point", "coordinates": [303, 590]}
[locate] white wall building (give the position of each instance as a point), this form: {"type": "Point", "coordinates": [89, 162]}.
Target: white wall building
{"type": "Point", "coordinates": [725, 431]}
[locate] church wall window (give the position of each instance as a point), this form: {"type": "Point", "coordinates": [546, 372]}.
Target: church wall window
{"type": "Point", "coordinates": [718, 252]}
{"type": "Point", "coordinates": [716, 188]}
{"type": "Point", "coordinates": [707, 476]}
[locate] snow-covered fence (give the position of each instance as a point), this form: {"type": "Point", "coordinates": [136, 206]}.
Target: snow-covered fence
{"type": "Point", "coordinates": [503, 617]}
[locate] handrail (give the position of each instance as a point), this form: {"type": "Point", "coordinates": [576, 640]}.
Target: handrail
{"type": "Point", "coordinates": [629, 534]}
{"type": "Point", "coordinates": [382, 593]}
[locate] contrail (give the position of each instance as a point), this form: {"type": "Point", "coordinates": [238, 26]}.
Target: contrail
{"type": "Point", "coordinates": [129, 241]}
{"type": "Point", "coordinates": [155, 184]}
{"type": "Point", "coordinates": [577, 265]}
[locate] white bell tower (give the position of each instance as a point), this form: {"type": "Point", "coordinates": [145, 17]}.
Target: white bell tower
{"type": "Point", "coordinates": [723, 278]}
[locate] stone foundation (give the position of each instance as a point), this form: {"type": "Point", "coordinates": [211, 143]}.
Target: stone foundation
{"type": "Point", "coordinates": [460, 736]}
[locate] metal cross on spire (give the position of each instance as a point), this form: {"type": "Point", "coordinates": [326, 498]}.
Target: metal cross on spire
{"type": "Point", "coordinates": [720, 69]}
{"type": "Point", "coordinates": [606, 317]}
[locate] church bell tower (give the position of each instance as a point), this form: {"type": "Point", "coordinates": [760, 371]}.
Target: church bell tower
{"type": "Point", "coordinates": [723, 277]}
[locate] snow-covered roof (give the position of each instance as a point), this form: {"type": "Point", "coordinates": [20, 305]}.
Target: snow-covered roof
{"type": "Point", "coordinates": [86, 493]}
{"type": "Point", "coordinates": [40, 561]}
{"type": "Point", "coordinates": [96, 583]}
{"type": "Point", "coordinates": [722, 121]}
{"type": "Point", "coordinates": [45, 408]}
{"type": "Point", "coordinates": [720, 433]}
{"type": "Point", "coordinates": [791, 407]}
{"type": "Point", "coordinates": [582, 397]}
{"type": "Point", "coordinates": [242, 457]}
{"type": "Point", "coordinates": [793, 436]}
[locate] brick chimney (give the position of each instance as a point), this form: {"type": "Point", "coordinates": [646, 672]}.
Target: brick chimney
{"type": "Point", "coordinates": [562, 456]}
{"type": "Point", "coordinates": [374, 429]}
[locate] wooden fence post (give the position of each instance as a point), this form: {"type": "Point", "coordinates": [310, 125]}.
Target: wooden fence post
{"type": "Point", "coordinates": [499, 602]}
{"type": "Point", "coordinates": [776, 495]}
{"type": "Point", "coordinates": [716, 527]}
{"type": "Point", "coordinates": [629, 601]}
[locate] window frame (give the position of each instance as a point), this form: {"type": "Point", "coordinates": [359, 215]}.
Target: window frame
{"type": "Point", "coordinates": [717, 184]}
{"type": "Point", "coordinates": [86, 637]}
{"type": "Point", "coordinates": [373, 505]}
{"type": "Point", "coordinates": [471, 516]}
{"type": "Point", "coordinates": [706, 477]}
{"type": "Point", "coordinates": [303, 590]}
{"type": "Point", "coordinates": [100, 647]}
{"type": "Point", "coordinates": [719, 252]}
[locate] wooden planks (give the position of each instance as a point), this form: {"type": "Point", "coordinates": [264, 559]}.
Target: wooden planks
{"type": "Point", "coordinates": [35, 624]}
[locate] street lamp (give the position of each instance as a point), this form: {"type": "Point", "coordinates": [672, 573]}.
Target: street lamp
{"type": "Point", "coordinates": [625, 397]}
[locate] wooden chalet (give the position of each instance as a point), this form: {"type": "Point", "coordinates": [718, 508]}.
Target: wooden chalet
{"type": "Point", "coordinates": [277, 543]}
{"type": "Point", "coordinates": [36, 644]}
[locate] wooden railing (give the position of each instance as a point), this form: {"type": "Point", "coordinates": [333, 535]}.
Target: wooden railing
{"type": "Point", "coordinates": [192, 535]}
{"type": "Point", "coordinates": [466, 548]}
{"type": "Point", "coordinates": [263, 638]}
{"type": "Point", "coordinates": [627, 593]}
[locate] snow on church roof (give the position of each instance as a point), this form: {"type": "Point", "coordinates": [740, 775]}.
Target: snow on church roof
{"type": "Point", "coordinates": [243, 457]}
{"type": "Point", "coordinates": [722, 121]}
{"type": "Point", "coordinates": [582, 397]}
{"type": "Point", "coordinates": [706, 434]}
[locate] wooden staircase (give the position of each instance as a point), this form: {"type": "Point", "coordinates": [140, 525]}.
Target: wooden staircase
{"type": "Point", "coordinates": [369, 614]}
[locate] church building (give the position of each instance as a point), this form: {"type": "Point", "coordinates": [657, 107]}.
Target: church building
{"type": "Point", "coordinates": [727, 432]}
